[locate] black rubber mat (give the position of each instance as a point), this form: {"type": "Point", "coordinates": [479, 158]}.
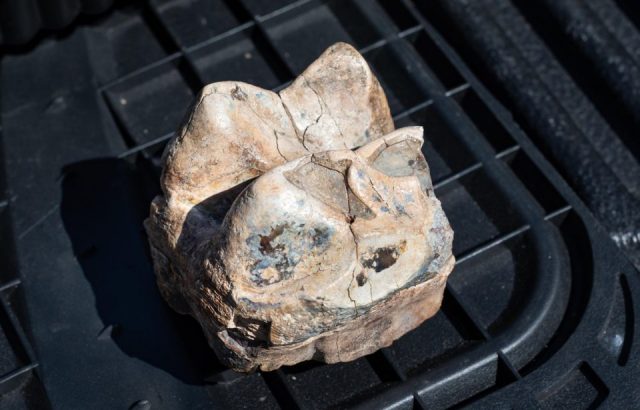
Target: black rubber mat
{"type": "Point", "coordinates": [22, 20]}
{"type": "Point", "coordinates": [540, 311]}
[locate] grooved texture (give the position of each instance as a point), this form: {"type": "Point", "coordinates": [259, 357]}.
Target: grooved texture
{"type": "Point", "coordinates": [21, 20]}
{"type": "Point", "coordinates": [569, 69]}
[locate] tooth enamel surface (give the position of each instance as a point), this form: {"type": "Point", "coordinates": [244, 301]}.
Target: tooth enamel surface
{"type": "Point", "coordinates": [299, 225]}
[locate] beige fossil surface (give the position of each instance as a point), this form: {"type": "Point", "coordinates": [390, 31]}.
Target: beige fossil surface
{"type": "Point", "coordinates": [299, 225]}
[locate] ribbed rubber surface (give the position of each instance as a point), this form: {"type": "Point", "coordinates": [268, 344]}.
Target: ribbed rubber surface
{"type": "Point", "coordinates": [541, 310]}
{"type": "Point", "coordinates": [570, 71]}
{"type": "Point", "coordinates": [21, 20]}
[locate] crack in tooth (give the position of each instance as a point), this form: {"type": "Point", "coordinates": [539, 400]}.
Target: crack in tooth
{"type": "Point", "coordinates": [381, 197]}
{"type": "Point", "coordinates": [355, 304]}
{"type": "Point", "coordinates": [304, 133]}
{"type": "Point", "coordinates": [293, 125]}
{"type": "Point", "coordinates": [275, 132]}
{"type": "Point", "coordinates": [352, 219]}
{"type": "Point", "coordinates": [322, 105]}
{"type": "Point", "coordinates": [195, 109]}
{"type": "Point", "coordinates": [317, 120]}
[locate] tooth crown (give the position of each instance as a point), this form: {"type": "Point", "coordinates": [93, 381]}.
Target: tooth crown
{"type": "Point", "coordinates": [284, 242]}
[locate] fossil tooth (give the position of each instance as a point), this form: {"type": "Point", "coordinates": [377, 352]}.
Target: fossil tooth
{"type": "Point", "coordinates": [237, 131]}
{"type": "Point", "coordinates": [301, 225]}
{"type": "Point", "coordinates": [337, 102]}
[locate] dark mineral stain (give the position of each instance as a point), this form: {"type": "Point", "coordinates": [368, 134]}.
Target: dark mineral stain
{"type": "Point", "coordinates": [238, 94]}
{"type": "Point", "coordinates": [419, 163]}
{"type": "Point", "coordinates": [257, 306]}
{"type": "Point", "coordinates": [400, 208]}
{"type": "Point", "coordinates": [282, 248]}
{"type": "Point", "coordinates": [361, 279]}
{"type": "Point", "coordinates": [320, 236]}
{"type": "Point", "coordinates": [383, 257]}
{"type": "Point", "coordinates": [265, 241]}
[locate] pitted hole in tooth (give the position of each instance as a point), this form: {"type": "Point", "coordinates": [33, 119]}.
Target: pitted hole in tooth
{"type": "Point", "coordinates": [383, 258]}
{"type": "Point", "coordinates": [361, 278]}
